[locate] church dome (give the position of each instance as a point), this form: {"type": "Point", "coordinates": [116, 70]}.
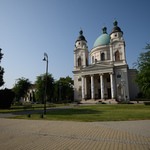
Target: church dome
{"type": "Point", "coordinates": [104, 39]}
{"type": "Point", "coordinates": [81, 37]}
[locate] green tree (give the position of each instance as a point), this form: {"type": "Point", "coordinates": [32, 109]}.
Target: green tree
{"type": "Point", "coordinates": [40, 91]}
{"type": "Point", "coordinates": [64, 89]}
{"type": "Point", "coordinates": [21, 88]}
{"type": "Point", "coordinates": [143, 76]}
{"type": "Point", "coordinates": [1, 70]}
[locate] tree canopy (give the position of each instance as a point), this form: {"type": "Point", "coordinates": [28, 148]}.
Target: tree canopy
{"type": "Point", "coordinates": [1, 70]}
{"type": "Point", "coordinates": [21, 88]}
{"type": "Point", "coordinates": [143, 76]}
{"type": "Point", "coordinates": [64, 89]}
{"type": "Point", "coordinates": [40, 91]}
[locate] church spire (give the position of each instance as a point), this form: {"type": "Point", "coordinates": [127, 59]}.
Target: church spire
{"type": "Point", "coordinates": [104, 30]}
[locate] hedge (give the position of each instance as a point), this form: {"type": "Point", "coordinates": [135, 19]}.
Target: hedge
{"type": "Point", "coordinates": [6, 98]}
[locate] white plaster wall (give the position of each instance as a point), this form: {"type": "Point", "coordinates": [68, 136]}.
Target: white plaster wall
{"type": "Point", "coordinates": [77, 84]}
{"type": "Point", "coordinates": [124, 75]}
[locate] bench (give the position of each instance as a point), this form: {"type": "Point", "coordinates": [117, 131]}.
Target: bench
{"type": "Point", "coordinates": [77, 104]}
{"type": "Point", "coordinates": [27, 107]}
{"type": "Point", "coordinates": [50, 105]}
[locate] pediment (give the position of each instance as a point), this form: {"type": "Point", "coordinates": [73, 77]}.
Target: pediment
{"type": "Point", "coordinates": [97, 66]}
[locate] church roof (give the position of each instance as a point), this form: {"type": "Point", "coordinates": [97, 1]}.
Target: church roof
{"type": "Point", "coordinates": [103, 39]}
{"type": "Point", "coordinates": [81, 37]}
{"type": "Point", "coordinates": [115, 28]}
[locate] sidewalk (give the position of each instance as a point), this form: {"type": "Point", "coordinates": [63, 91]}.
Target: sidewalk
{"type": "Point", "coordinates": [20, 134]}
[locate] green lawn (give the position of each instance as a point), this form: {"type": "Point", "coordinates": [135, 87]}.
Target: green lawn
{"type": "Point", "coordinates": [92, 113]}
{"type": "Point", "coordinates": [20, 108]}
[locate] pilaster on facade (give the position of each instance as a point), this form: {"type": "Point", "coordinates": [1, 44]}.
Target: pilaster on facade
{"type": "Point", "coordinates": [83, 87]}
{"type": "Point", "coordinates": [112, 84]}
{"type": "Point", "coordinates": [92, 87]}
{"type": "Point", "coordinates": [102, 86]}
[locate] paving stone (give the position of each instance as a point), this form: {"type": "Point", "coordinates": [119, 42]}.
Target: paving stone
{"type": "Point", "coordinates": [20, 134]}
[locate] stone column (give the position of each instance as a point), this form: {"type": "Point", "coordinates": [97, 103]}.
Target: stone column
{"type": "Point", "coordinates": [75, 60]}
{"type": "Point", "coordinates": [111, 53]}
{"type": "Point", "coordinates": [84, 59]}
{"type": "Point", "coordinates": [102, 86]}
{"type": "Point", "coordinates": [83, 87]}
{"type": "Point", "coordinates": [112, 85]}
{"type": "Point", "coordinates": [92, 87]}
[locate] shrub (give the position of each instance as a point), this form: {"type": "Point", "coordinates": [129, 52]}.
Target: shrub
{"type": "Point", "coordinates": [18, 104]}
{"type": "Point", "coordinates": [147, 103]}
{"type": "Point", "coordinates": [125, 103]}
{"type": "Point", "coordinates": [6, 98]}
{"type": "Point", "coordinates": [142, 99]}
{"type": "Point", "coordinates": [120, 103]}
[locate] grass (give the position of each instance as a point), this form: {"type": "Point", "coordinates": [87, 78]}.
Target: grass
{"type": "Point", "coordinates": [94, 113]}
{"type": "Point", "coordinates": [20, 108]}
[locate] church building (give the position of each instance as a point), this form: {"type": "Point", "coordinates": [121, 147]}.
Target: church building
{"type": "Point", "coordinates": [108, 76]}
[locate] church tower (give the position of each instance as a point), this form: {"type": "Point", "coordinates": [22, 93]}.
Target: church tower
{"type": "Point", "coordinates": [81, 53]}
{"type": "Point", "coordinates": [117, 45]}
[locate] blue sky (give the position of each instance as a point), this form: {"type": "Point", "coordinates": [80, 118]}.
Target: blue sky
{"type": "Point", "coordinates": [28, 28]}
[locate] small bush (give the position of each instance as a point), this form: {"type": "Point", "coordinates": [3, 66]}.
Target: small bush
{"type": "Point", "coordinates": [125, 103]}
{"type": "Point", "coordinates": [142, 99]}
{"type": "Point", "coordinates": [18, 104]}
{"type": "Point", "coordinates": [147, 103]}
{"type": "Point", "coordinates": [120, 103]}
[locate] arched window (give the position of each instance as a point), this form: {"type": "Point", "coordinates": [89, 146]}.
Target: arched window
{"type": "Point", "coordinates": [92, 59]}
{"type": "Point", "coordinates": [102, 56]}
{"type": "Point", "coordinates": [79, 61]}
{"type": "Point", "coordinates": [86, 62]}
{"type": "Point", "coordinates": [117, 56]}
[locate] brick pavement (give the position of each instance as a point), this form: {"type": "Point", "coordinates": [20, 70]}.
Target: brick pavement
{"type": "Point", "coordinates": [17, 134]}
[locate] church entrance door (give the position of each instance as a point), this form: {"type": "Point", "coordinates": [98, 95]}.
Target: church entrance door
{"type": "Point", "coordinates": [99, 93]}
{"type": "Point", "coordinates": [90, 94]}
{"type": "Point", "coordinates": [109, 93]}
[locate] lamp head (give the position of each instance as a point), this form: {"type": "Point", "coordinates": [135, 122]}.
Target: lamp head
{"type": "Point", "coordinates": [44, 59]}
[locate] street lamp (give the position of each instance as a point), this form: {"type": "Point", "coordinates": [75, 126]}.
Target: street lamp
{"type": "Point", "coordinates": [45, 97]}
{"type": "Point", "coordinates": [59, 92]}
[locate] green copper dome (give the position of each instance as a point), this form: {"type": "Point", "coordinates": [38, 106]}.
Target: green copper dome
{"type": "Point", "coordinates": [104, 39]}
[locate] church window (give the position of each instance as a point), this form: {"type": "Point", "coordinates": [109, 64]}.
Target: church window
{"type": "Point", "coordinates": [102, 56]}
{"type": "Point", "coordinates": [79, 79]}
{"type": "Point", "coordinates": [115, 35]}
{"type": "Point", "coordinates": [79, 61]}
{"type": "Point", "coordinates": [119, 91]}
{"type": "Point", "coordinates": [86, 62]}
{"type": "Point", "coordinates": [92, 59]}
{"type": "Point", "coordinates": [117, 56]}
{"type": "Point", "coordinates": [95, 61]}
{"type": "Point", "coordinates": [118, 75]}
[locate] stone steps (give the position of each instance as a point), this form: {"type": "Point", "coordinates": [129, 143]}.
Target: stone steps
{"type": "Point", "coordinates": [91, 101]}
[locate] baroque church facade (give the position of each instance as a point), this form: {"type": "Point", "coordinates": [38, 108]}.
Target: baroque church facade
{"type": "Point", "coordinates": [108, 76]}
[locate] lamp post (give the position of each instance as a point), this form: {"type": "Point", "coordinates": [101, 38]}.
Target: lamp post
{"type": "Point", "coordinates": [59, 92]}
{"type": "Point", "coordinates": [45, 97]}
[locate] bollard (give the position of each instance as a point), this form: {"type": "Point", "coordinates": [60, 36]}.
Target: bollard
{"type": "Point", "coordinates": [28, 115]}
{"type": "Point", "coordinates": [41, 116]}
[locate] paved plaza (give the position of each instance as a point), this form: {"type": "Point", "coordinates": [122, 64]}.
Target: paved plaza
{"type": "Point", "coordinates": [18, 134]}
